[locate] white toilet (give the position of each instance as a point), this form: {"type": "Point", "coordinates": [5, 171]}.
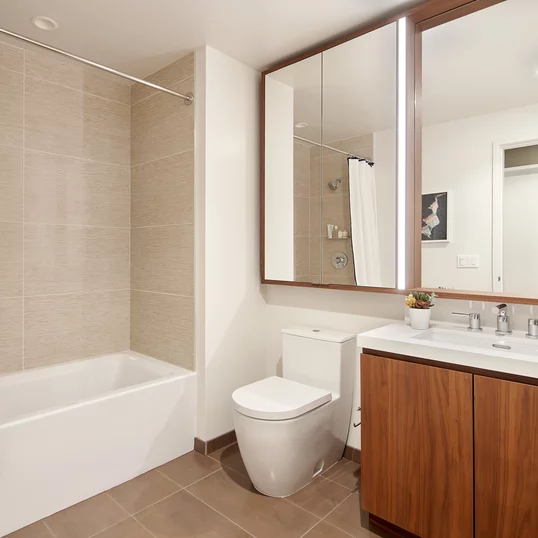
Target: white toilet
{"type": "Point", "coordinates": [292, 428]}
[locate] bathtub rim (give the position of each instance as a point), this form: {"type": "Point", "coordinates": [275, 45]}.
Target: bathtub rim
{"type": "Point", "coordinates": [176, 373]}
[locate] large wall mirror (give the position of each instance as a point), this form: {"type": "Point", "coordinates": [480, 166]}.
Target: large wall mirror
{"type": "Point", "coordinates": [440, 194]}
{"type": "Point", "coordinates": [330, 128]}
{"type": "Point", "coordinates": [480, 152]}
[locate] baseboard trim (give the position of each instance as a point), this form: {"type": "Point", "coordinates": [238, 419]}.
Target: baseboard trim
{"type": "Point", "coordinates": [353, 454]}
{"type": "Point", "coordinates": [199, 446]}
{"type": "Point", "coordinates": [206, 447]}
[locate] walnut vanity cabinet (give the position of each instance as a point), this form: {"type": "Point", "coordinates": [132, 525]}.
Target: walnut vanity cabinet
{"type": "Point", "coordinates": [506, 459]}
{"type": "Point", "coordinates": [446, 453]}
{"type": "Point", "coordinates": [417, 447]}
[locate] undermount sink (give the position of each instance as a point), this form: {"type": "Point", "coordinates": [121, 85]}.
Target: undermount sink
{"type": "Point", "coordinates": [484, 341]}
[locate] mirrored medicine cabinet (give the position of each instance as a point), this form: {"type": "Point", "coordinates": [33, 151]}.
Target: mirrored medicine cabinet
{"type": "Point", "coordinates": [330, 165]}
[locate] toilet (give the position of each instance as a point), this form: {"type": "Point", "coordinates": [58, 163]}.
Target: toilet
{"type": "Point", "coordinates": [292, 428]}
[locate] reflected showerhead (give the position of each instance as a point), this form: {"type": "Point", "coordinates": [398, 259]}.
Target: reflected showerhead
{"type": "Point", "coordinates": [333, 185]}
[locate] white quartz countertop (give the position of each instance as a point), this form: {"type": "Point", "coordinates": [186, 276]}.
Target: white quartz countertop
{"type": "Point", "coordinates": [467, 349]}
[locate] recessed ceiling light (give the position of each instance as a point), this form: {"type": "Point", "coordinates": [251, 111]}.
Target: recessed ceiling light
{"type": "Point", "coordinates": [301, 125]}
{"type": "Point", "coordinates": [45, 23]}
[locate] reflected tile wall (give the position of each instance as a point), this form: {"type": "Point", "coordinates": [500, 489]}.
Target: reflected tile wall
{"type": "Point", "coordinates": [64, 210]}
{"type": "Point", "coordinates": [162, 217]}
{"type": "Point", "coordinates": [301, 210]}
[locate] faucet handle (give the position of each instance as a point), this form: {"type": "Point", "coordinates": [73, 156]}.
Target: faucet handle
{"type": "Point", "coordinates": [502, 309]}
{"type": "Point", "coordinates": [532, 331]}
{"type": "Point", "coordinates": [474, 320]}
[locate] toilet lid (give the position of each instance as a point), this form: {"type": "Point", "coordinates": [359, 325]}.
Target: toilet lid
{"type": "Point", "coordinates": [276, 398]}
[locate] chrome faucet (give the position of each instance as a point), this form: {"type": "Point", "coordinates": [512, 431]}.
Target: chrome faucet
{"type": "Point", "coordinates": [503, 321]}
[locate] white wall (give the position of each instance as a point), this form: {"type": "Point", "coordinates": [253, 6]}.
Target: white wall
{"type": "Point", "coordinates": [279, 207]}
{"type": "Point", "coordinates": [457, 156]}
{"type": "Point", "coordinates": [230, 313]}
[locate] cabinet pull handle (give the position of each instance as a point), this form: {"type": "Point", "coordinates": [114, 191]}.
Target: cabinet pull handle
{"type": "Point", "coordinates": [358, 423]}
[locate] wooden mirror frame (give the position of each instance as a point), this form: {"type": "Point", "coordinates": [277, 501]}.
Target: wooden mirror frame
{"type": "Point", "coordinates": [466, 8]}
{"type": "Point", "coordinates": [427, 15]}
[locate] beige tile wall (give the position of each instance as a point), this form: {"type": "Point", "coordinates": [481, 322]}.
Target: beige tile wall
{"type": "Point", "coordinates": [64, 210]}
{"type": "Point", "coordinates": [162, 217]}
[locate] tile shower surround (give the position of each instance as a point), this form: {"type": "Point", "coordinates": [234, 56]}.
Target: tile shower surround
{"type": "Point", "coordinates": [64, 211]}
{"type": "Point", "coordinates": [212, 495]}
{"type": "Point", "coordinates": [68, 137]}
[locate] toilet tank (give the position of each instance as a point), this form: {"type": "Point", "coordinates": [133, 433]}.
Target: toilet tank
{"type": "Point", "coordinates": [319, 358]}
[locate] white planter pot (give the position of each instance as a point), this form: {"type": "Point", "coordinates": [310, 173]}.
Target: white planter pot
{"type": "Point", "coordinates": [420, 318]}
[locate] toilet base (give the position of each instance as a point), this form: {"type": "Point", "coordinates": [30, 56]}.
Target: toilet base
{"type": "Point", "coordinates": [284, 456]}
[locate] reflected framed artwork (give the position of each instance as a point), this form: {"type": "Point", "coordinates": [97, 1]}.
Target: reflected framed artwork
{"type": "Point", "coordinates": [435, 217]}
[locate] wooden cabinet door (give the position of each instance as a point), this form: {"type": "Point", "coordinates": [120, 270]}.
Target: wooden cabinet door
{"type": "Point", "coordinates": [417, 447]}
{"type": "Point", "coordinates": [506, 459]}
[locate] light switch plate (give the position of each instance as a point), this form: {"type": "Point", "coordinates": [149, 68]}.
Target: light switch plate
{"type": "Point", "coordinates": [468, 261]}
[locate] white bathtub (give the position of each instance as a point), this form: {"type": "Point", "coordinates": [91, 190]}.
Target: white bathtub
{"type": "Point", "coordinates": [71, 431]}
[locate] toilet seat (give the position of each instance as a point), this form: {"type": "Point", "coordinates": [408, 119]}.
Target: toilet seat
{"type": "Point", "coordinates": [275, 398]}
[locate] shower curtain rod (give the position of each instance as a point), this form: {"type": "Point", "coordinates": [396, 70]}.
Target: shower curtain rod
{"type": "Point", "coordinates": [368, 161]}
{"type": "Point", "coordinates": [189, 97]}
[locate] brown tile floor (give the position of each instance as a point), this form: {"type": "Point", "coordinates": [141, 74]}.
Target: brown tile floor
{"type": "Point", "coordinates": [212, 497]}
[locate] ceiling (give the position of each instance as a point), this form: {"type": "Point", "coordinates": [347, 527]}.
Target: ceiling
{"type": "Point", "coordinates": [141, 36]}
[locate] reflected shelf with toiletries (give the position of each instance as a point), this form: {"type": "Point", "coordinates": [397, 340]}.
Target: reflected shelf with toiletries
{"type": "Point", "coordinates": [333, 232]}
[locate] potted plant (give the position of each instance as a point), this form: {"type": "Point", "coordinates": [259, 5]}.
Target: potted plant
{"type": "Point", "coordinates": [420, 304]}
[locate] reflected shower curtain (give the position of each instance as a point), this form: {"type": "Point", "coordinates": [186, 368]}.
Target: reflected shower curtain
{"type": "Point", "coordinates": [364, 232]}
